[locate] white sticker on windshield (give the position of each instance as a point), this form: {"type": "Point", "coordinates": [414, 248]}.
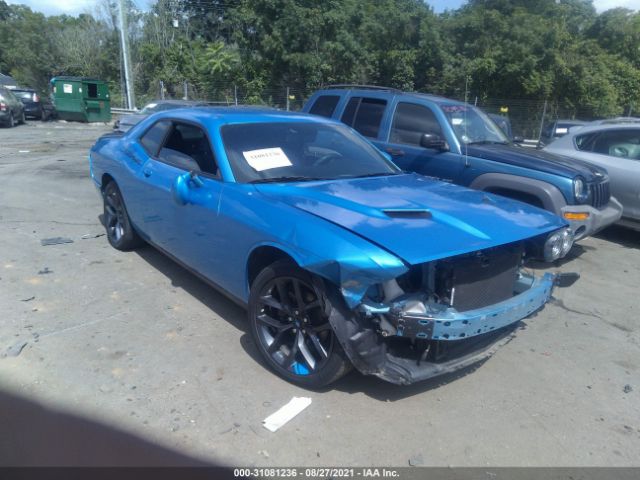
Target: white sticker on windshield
{"type": "Point", "coordinates": [456, 121]}
{"type": "Point", "coordinates": [266, 158]}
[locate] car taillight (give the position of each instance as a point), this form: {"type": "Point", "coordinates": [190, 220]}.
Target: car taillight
{"type": "Point", "coordinates": [3, 106]}
{"type": "Point", "coordinates": [35, 97]}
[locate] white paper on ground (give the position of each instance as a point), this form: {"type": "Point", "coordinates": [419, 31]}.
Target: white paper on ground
{"type": "Point", "coordinates": [276, 420]}
{"type": "Point", "coordinates": [266, 158]}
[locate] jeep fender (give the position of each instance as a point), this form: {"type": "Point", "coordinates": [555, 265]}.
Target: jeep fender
{"type": "Point", "coordinates": [549, 195]}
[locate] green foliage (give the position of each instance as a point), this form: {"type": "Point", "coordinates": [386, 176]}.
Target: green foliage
{"type": "Point", "coordinates": [521, 49]}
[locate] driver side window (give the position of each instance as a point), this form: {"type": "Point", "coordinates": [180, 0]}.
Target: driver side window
{"type": "Point", "coordinates": [187, 147]}
{"type": "Point", "coordinates": [410, 122]}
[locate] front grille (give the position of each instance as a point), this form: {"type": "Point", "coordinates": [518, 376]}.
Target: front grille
{"type": "Point", "coordinates": [600, 194]}
{"type": "Point", "coordinates": [479, 279]}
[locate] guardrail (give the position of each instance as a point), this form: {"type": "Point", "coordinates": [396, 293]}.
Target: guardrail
{"type": "Point", "coordinates": [123, 111]}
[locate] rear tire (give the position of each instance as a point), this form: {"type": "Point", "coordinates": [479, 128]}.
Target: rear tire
{"type": "Point", "coordinates": [12, 121]}
{"type": "Point", "coordinates": [120, 232]}
{"type": "Point", "coordinates": [23, 118]}
{"type": "Point", "coordinates": [289, 322]}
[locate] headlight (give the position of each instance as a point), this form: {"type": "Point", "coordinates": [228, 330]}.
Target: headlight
{"type": "Point", "coordinates": [558, 244]}
{"type": "Point", "coordinates": [567, 241]}
{"type": "Point", "coordinates": [580, 191]}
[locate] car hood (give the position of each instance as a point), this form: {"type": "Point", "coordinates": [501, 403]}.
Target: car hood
{"type": "Point", "coordinates": [414, 217]}
{"type": "Point", "coordinates": [538, 160]}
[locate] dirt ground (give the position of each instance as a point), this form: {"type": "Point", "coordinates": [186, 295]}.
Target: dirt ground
{"type": "Point", "coordinates": [133, 341]}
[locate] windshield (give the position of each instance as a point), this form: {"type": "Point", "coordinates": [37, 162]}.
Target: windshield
{"type": "Point", "coordinates": [262, 152]}
{"type": "Point", "coordinates": [471, 125]}
{"type": "Point", "coordinates": [23, 94]}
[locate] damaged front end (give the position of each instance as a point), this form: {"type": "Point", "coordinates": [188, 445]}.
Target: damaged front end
{"type": "Point", "coordinates": [442, 315]}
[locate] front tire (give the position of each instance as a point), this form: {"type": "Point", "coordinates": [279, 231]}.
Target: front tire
{"type": "Point", "coordinates": [120, 232]}
{"type": "Point", "coordinates": [289, 323]}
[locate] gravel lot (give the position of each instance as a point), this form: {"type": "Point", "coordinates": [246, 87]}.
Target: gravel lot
{"type": "Point", "coordinates": [134, 341]}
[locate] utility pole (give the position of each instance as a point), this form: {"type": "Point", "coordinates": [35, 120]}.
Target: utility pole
{"type": "Point", "coordinates": [124, 45]}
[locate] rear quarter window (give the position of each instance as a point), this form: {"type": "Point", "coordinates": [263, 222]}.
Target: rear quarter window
{"type": "Point", "coordinates": [365, 115]}
{"type": "Point", "coordinates": [325, 105]}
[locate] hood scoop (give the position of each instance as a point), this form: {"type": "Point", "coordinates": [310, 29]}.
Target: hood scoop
{"type": "Point", "coordinates": [417, 213]}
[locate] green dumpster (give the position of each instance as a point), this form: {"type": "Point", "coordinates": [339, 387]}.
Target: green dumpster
{"type": "Point", "coordinates": [81, 99]}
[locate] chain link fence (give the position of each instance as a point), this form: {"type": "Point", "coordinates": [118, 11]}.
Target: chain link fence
{"type": "Point", "coordinates": [526, 116]}
{"type": "Point", "coordinates": [286, 98]}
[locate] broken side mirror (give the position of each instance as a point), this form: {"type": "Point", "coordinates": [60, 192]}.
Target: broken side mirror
{"type": "Point", "coordinates": [434, 141]}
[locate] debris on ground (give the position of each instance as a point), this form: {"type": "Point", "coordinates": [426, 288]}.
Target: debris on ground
{"type": "Point", "coordinates": [92, 235]}
{"type": "Point", "coordinates": [45, 271]}
{"type": "Point", "coordinates": [55, 241]}
{"type": "Point", "coordinates": [264, 453]}
{"type": "Point", "coordinates": [627, 388]}
{"type": "Point", "coordinates": [28, 299]}
{"type": "Point", "coordinates": [15, 349]}
{"type": "Point", "coordinates": [416, 460]}
{"type": "Point", "coordinates": [276, 420]}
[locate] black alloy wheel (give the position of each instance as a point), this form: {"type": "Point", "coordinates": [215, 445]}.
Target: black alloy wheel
{"type": "Point", "coordinates": [120, 233]}
{"type": "Point", "coordinates": [291, 328]}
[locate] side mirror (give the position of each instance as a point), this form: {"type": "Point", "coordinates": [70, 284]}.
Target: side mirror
{"type": "Point", "coordinates": [433, 140]}
{"type": "Point", "coordinates": [518, 139]}
{"type": "Point", "coordinates": [182, 185]}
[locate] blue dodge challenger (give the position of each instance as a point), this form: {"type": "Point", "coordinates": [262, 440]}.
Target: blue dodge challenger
{"type": "Point", "coordinates": [340, 258]}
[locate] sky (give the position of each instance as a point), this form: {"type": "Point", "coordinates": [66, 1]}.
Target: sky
{"type": "Point", "coordinates": [74, 7]}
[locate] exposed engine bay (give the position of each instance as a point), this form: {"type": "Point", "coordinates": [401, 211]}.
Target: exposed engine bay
{"type": "Point", "coordinates": [443, 315]}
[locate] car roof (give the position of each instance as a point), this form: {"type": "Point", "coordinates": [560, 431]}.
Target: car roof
{"type": "Point", "coordinates": [604, 127]}
{"type": "Point", "coordinates": [177, 102]}
{"type": "Point", "coordinates": [570, 121]}
{"type": "Point", "coordinates": [369, 92]}
{"type": "Point", "coordinates": [240, 114]}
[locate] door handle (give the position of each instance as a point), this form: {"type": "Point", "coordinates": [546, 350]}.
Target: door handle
{"type": "Point", "coordinates": [395, 152]}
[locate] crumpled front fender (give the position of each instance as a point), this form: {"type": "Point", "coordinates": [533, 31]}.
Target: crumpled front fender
{"type": "Point", "coordinates": [354, 276]}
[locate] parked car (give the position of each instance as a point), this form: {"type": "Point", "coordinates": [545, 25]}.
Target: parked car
{"type": "Point", "coordinates": [337, 255]}
{"type": "Point", "coordinates": [616, 120]}
{"type": "Point", "coordinates": [557, 129]}
{"type": "Point", "coordinates": [35, 106]}
{"type": "Point", "coordinates": [11, 109]}
{"type": "Point", "coordinates": [125, 122]}
{"type": "Point", "coordinates": [504, 123]}
{"type": "Point", "coordinates": [615, 147]}
{"type": "Point", "coordinates": [458, 143]}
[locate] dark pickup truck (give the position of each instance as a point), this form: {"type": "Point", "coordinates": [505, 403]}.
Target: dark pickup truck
{"type": "Point", "coordinates": [458, 143]}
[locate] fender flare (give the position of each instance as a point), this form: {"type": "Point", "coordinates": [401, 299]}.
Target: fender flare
{"type": "Point", "coordinates": [550, 196]}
